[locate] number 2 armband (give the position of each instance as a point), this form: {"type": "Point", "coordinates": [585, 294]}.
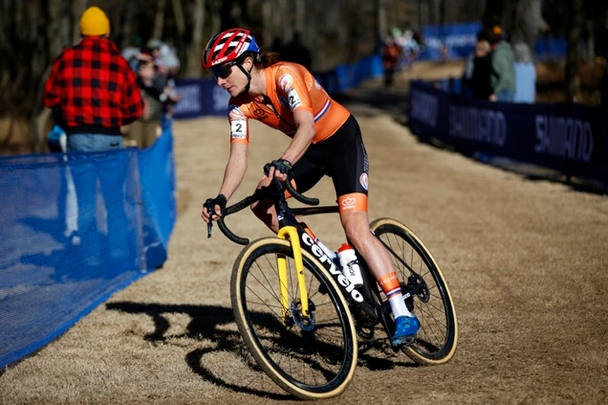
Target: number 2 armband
{"type": "Point", "coordinates": [238, 131]}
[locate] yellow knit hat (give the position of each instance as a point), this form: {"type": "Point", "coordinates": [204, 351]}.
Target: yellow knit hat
{"type": "Point", "coordinates": [94, 22]}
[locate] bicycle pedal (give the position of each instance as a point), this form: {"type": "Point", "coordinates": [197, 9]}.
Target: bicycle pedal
{"type": "Point", "coordinates": [405, 343]}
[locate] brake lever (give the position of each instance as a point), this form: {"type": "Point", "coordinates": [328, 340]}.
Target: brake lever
{"type": "Point", "coordinates": [210, 223]}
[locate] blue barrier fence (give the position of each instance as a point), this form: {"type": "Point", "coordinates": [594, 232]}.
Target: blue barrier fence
{"type": "Point", "coordinates": [75, 229]}
{"type": "Point", "coordinates": [567, 137]}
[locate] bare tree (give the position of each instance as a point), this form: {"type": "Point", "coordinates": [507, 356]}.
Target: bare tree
{"type": "Point", "coordinates": [159, 19]}
{"type": "Point", "coordinates": [34, 32]}
{"type": "Point", "coordinates": [525, 22]}
{"type": "Point", "coordinates": [575, 24]}
{"type": "Point", "coordinates": [195, 47]}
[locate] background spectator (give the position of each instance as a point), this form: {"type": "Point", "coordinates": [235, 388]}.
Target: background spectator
{"type": "Point", "coordinates": [159, 96]}
{"type": "Point", "coordinates": [93, 92]}
{"type": "Point", "coordinates": [167, 66]}
{"type": "Point", "coordinates": [391, 57]}
{"type": "Point", "coordinates": [525, 74]}
{"type": "Point", "coordinates": [503, 63]}
{"type": "Point", "coordinates": [478, 73]}
{"type": "Point", "coordinates": [296, 51]}
{"type": "Point", "coordinates": [83, 84]}
{"type": "Point", "coordinates": [604, 82]}
{"type": "Point", "coordinates": [411, 48]}
{"type": "Point", "coordinates": [147, 128]}
{"type": "Point", "coordinates": [277, 45]}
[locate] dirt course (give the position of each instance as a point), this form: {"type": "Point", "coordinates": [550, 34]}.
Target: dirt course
{"type": "Point", "coordinates": [526, 261]}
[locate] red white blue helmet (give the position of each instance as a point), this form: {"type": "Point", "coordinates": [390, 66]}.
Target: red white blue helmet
{"type": "Point", "coordinates": [228, 46]}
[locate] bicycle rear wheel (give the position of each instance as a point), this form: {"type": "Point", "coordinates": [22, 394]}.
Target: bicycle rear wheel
{"type": "Point", "coordinates": [430, 298]}
{"type": "Point", "coordinates": [310, 357]}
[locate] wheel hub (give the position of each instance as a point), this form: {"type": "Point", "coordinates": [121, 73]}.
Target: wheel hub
{"type": "Point", "coordinates": [305, 322]}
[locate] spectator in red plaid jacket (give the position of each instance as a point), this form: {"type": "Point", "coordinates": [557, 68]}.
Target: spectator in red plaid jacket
{"type": "Point", "coordinates": [93, 92]}
{"type": "Point", "coordinates": [92, 89]}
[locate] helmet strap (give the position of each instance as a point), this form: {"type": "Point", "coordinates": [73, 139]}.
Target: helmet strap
{"type": "Point", "coordinates": [248, 74]}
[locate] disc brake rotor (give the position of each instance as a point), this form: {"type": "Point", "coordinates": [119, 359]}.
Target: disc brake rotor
{"type": "Point", "coordinates": [306, 323]}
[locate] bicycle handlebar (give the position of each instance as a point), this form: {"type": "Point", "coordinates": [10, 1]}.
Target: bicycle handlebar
{"type": "Point", "coordinates": [299, 196]}
{"type": "Point", "coordinates": [274, 192]}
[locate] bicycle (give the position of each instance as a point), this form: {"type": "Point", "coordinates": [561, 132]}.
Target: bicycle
{"type": "Point", "coordinates": [302, 319]}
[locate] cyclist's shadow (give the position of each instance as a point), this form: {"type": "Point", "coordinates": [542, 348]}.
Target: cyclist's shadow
{"type": "Point", "coordinates": [215, 324]}
{"type": "Point", "coordinates": [208, 323]}
{"type": "Point", "coordinates": [378, 355]}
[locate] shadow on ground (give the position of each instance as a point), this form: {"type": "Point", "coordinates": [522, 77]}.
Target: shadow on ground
{"type": "Point", "coordinates": [211, 330]}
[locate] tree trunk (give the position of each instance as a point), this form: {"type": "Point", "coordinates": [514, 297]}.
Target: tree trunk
{"type": "Point", "coordinates": [195, 48]}
{"type": "Point", "coordinates": [78, 7]}
{"type": "Point", "coordinates": [381, 18]}
{"type": "Point", "coordinates": [157, 31]}
{"type": "Point", "coordinates": [575, 24]}
{"type": "Point", "coordinates": [180, 22]}
{"type": "Point", "coordinates": [126, 30]}
{"type": "Point", "coordinates": [300, 11]}
{"type": "Point", "coordinates": [527, 23]}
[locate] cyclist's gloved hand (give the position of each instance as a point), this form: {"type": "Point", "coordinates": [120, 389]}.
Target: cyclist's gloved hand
{"type": "Point", "coordinates": [281, 166]}
{"type": "Point", "coordinates": [210, 204]}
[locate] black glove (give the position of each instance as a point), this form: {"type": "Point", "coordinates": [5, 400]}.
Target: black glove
{"type": "Point", "coordinates": [282, 165]}
{"type": "Point", "coordinates": [212, 202]}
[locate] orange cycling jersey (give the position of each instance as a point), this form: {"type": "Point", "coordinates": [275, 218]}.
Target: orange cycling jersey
{"type": "Point", "coordinates": [289, 86]}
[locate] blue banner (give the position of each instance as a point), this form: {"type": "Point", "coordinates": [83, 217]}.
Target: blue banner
{"type": "Point", "coordinates": [567, 137]}
{"type": "Point", "coordinates": [200, 97]}
{"type": "Point", "coordinates": [549, 48]}
{"type": "Point", "coordinates": [449, 41]}
{"type": "Point", "coordinates": [457, 41]}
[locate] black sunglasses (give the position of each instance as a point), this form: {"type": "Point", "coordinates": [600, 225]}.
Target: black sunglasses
{"type": "Point", "coordinates": [223, 71]}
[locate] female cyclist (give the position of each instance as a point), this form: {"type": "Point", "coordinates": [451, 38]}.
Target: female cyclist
{"type": "Point", "coordinates": [325, 140]}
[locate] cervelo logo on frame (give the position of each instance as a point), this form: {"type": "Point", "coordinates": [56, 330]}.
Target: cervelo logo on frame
{"type": "Point", "coordinates": [336, 272]}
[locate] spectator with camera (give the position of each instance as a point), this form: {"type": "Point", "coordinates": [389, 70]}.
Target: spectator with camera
{"type": "Point", "coordinates": [156, 95]}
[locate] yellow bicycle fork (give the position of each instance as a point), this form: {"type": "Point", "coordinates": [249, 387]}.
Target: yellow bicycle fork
{"type": "Point", "coordinates": [291, 233]}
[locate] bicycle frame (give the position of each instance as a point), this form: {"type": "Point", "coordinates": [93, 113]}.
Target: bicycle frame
{"type": "Point", "coordinates": [291, 229]}
{"type": "Point", "coordinates": [290, 232]}
{"type": "Point", "coordinates": [300, 239]}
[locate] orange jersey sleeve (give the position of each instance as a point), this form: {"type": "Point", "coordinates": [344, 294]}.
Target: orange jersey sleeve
{"type": "Point", "coordinates": [289, 86]}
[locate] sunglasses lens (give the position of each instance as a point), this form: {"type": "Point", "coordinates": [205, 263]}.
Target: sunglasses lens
{"type": "Point", "coordinates": [222, 71]}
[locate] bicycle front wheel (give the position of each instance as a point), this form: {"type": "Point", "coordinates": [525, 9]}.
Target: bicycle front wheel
{"type": "Point", "coordinates": [311, 356]}
{"type": "Point", "coordinates": [429, 297]}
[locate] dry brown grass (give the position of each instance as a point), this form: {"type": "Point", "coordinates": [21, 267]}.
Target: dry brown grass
{"type": "Point", "coordinates": [14, 137]}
